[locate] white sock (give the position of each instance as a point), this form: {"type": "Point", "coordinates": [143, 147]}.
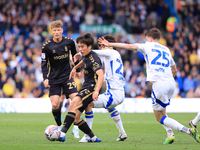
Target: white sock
{"type": "Point", "coordinates": [62, 134]}
{"type": "Point", "coordinates": [75, 126]}
{"type": "Point", "coordinates": [169, 122]}
{"type": "Point", "coordinates": [93, 138]}
{"type": "Point", "coordinates": [117, 119]}
{"type": "Point", "coordinates": [89, 118]}
{"type": "Point", "coordinates": [89, 121]}
{"type": "Point", "coordinates": [196, 119]}
{"type": "Point", "coordinates": [168, 130]}
{"type": "Point", "coordinates": [118, 123]}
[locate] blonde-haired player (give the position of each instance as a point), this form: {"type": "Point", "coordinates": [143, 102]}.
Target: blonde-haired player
{"type": "Point", "coordinates": [56, 68]}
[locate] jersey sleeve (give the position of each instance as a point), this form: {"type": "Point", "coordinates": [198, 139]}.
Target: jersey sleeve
{"type": "Point", "coordinates": [73, 48]}
{"type": "Point", "coordinates": [73, 52]}
{"type": "Point", "coordinates": [44, 58]}
{"type": "Point", "coordinates": [141, 48]}
{"type": "Point", "coordinates": [172, 63]}
{"type": "Point", "coordinates": [104, 53]}
{"type": "Point", "coordinates": [95, 63]}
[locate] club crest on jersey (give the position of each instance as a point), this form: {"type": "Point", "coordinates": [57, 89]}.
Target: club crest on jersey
{"type": "Point", "coordinates": [54, 51]}
{"type": "Point", "coordinates": [43, 56]}
{"type": "Point", "coordinates": [66, 49]}
{"type": "Point", "coordinates": [95, 65]}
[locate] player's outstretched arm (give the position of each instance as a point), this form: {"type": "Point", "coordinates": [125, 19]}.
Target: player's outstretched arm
{"type": "Point", "coordinates": [118, 45]}
{"type": "Point", "coordinates": [80, 64]}
{"type": "Point", "coordinates": [99, 84]}
{"type": "Point", "coordinates": [104, 53]}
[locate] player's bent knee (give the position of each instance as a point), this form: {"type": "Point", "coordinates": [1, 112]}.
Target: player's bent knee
{"type": "Point", "coordinates": [72, 106]}
{"type": "Point", "coordinates": [55, 106]}
{"type": "Point", "coordinates": [89, 107]}
{"type": "Point", "coordinates": [75, 104]}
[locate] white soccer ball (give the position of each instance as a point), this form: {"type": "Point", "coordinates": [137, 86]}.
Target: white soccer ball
{"type": "Point", "coordinates": [52, 133]}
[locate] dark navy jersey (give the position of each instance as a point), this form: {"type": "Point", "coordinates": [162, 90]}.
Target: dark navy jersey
{"type": "Point", "coordinates": [91, 63]}
{"type": "Point", "coordinates": [56, 65]}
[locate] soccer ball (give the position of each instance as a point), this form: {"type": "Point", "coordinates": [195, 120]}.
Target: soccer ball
{"type": "Point", "coordinates": [52, 133]}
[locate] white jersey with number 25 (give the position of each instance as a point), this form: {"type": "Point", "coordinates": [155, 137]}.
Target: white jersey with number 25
{"type": "Point", "coordinates": [113, 69]}
{"type": "Point", "coordinates": [158, 61]}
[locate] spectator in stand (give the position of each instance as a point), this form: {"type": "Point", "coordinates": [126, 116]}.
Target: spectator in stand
{"type": "Point", "coordinates": [9, 88]}
{"type": "Point", "coordinates": [18, 83]}
{"type": "Point", "coordinates": [3, 80]}
{"type": "Point", "coordinates": [108, 17]}
{"type": "Point", "coordinates": [89, 17]}
{"type": "Point", "coordinates": [180, 80]}
{"type": "Point", "coordinates": [194, 59]}
{"type": "Point", "coordinates": [130, 87]}
{"type": "Point", "coordinates": [180, 63]}
{"type": "Point", "coordinates": [197, 81]}
{"type": "Point", "coordinates": [3, 66]}
{"type": "Point", "coordinates": [127, 71]}
{"type": "Point", "coordinates": [136, 68]}
{"type": "Point", "coordinates": [188, 83]}
{"type": "Point", "coordinates": [187, 69]}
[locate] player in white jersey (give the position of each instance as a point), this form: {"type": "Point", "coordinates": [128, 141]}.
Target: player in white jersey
{"type": "Point", "coordinates": [193, 123]}
{"type": "Point", "coordinates": [114, 94]}
{"type": "Point", "coordinates": [161, 69]}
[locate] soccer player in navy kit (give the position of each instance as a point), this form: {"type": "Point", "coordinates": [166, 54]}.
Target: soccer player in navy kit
{"type": "Point", "coordinates": [93, 76]}
{"type": "Point", "coordinates": [56, 68]}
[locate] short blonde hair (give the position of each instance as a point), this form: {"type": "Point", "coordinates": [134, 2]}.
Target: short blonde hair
{"type": "Point", "coordinates": [57, 24]}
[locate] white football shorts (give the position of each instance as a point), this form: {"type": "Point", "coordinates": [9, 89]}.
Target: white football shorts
{"type": "Point", "coordinates": [162, 91]}
{"type": "Point", "coordinates": [110, 99]}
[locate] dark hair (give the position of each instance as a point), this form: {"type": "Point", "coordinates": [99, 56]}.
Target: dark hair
{"type": "Point", "coordinates": [110, 38]}
{"type": "Point", "coordinates": [85, 39]}
{"type": "Point", "coordinates": [153, 33]}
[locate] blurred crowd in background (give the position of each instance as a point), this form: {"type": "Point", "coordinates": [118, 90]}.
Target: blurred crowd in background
{"type": "Point", "coordinates": [25, 26]}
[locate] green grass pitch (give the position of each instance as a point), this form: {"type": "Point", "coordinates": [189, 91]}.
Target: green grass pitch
{"type": "Point", "coordinates": [26, 132]}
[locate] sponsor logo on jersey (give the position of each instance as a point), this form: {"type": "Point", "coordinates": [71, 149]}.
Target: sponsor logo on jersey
{"type": "Point", "coordinates": [43, 56]}
{"type": "Point", "coordinates": [160, 70]}
{"type": "Point", "coordinates": [60, 57]}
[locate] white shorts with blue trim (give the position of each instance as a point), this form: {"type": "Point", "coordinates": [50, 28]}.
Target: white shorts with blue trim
{"type": "Point", "coordinates": [162, 91]}
{"type": "Point", "coordinates": [110, 99]}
